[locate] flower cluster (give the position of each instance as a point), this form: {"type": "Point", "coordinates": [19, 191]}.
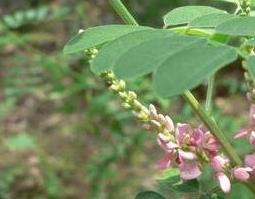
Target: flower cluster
{"type": "Point", "coordinates": [248, 170]}
{"type": "Point", "coordinates": [189, 149]}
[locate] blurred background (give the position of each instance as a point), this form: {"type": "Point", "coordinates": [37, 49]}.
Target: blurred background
{"type": "Point", "coordinates": [62, 133]}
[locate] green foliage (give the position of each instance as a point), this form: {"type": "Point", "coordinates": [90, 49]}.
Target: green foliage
{"type": "Point", "coordinates": [150, 55]}
{"type": "Point", "coordinates": [149, 195]}
{"type": "Point", "coordinates": [242, 26]}
{"type": "Point", "coordinates": [210, 20]}
{"type": "Point", "coordinates": [112, 51]}
{"type": "Point", "coordinates": [191, 71]}
{"type": "Point", "coordinates": [97, 36]}
{"type": "Point", "coordinates": [184, 15]}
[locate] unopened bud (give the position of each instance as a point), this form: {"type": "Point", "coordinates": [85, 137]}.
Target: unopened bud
{"type": "Point", "coordinates": [156, 123]}
{"type": "Point", "coordinates": [169, 124]}
{"type": "Point", "coordinates": [153, 111]}
{"type": "Point", "coordinates": [161, 119]}
{"type": "Point", "coordinates": [132, 95]}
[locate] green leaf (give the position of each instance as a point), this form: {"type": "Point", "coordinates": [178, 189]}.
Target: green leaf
{"type": "Point", "coordinates": [22, 141]}
{"type": "Point", "coordinates": [210, 20]}
{"type": "Point", "coordinates": [97, 36]}
{"type": "Point", "coordinates": [110, 52]}
{"type": "Point", "coordinates": [149, 55]}
{"type": "Point", "coordinates": [239, 191]}
{"type": "Point", "coordinates": [242, 26]}
{"type": "Point", "coordinates": [189, 67]}
{"type": "Point", "coordinates": [149, 195]}
{"type": "Point", "coordinates": [187, 187]}
{"type": "Point", "coordinates": [171, 179]}
{"type": "Point", "coordinates": [250, 64]}
{"type": "Point", "coordinates": [186, 14]}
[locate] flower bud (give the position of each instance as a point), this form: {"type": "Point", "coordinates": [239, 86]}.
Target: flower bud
{"type": "Point", "coordinates": [224, 182]}
{"type": "Point", "coordinates": [186, 155]}
{"type": "Point", "coordinates": [169, 124]}
{"type": "Point", "coordinates": [218, 163]}
{"type": "Point", "coordinates": [153, 111]}
{"type": "Point", "coordinates": [242, 173]}
{"type": "Point", "coordinates": [161, 119]}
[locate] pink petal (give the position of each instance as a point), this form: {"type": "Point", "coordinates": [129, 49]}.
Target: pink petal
{"type": "Point", "coordinates": [210, 142]}
{"type": "Point", "coordinates": [182, 132]}
{"type": "Point", "coordinates": [165, 143]}
{"type": "Point", "coordinates": [189, 170]}
{"type": "Point", "coordinates": [241, 133]}
{"type": "Point", "coordinates": [250, 161]}
{"type": "Point", "coordinates": [186, 155]}
{"type": "Point", "coordinates": [218, 163]}
{"type": "Point", "coordinates": [241, 174]}
{"type": "Point", "coordinates": [252, 138]}
{"type": "Point", "coordinates": [197, 136]}
{"type": "Point", "coordinates": [224, 182]}
{"type": "Point", "coordinates": [165, 162]}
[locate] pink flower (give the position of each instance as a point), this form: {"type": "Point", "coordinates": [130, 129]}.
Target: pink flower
{"type": "Point", "coordinates": [186, 155]}
{"type": "Point", "coordinates": [210, 143]}
{"type": "Point", "coordinates": [197, 137]}
{"type": "Point", "coordinates": [166, 161]}
{"type": "Point", "coordinates": [219, 163]}
{"type": "Point", "coordinates": [248, 132]}
{"type": "Point", "coordinates": [224, 182]}
{"type": "Point", "coordinates": [183, 133]}
{"type": "Point", "coordinates": [250, 161]}
{"type": "Point", "coordinates": [165, 143]}
{"type": "Point", "coordinates": [241, 173]}
{"type": "Point", "coordinates": [189, 170]}
{"type": "Point", "coordinates": [241, 133]}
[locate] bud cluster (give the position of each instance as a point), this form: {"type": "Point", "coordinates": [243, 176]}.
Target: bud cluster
{"type": "Point", "coordinates": [128, 98]}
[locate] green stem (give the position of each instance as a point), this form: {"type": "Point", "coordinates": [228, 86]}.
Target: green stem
{"type": "Point", "coordinates": [209, 94]}
{"type": "Point", "coordinates": [123, 12]}
{"type": "Point", "coordinates": [208, 121]}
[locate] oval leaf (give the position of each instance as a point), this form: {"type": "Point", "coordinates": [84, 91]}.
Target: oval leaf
{"type": "Point", "coordinates": [188, 68]}
{"type": "Point", "coordinates": [148, 56]}
{"type": "Point", "coordinates": [210, 20]}
{"type": "Point", "coordinates": [110, 52]}
{"type": "Point", "coordinates": [242, 26]}
{"type": "Point", "coordinates": [98, 35]}
{"type": "Point", "coordinates": [149, 195]}
{"type": "Point", "coordinates": [186, 14]}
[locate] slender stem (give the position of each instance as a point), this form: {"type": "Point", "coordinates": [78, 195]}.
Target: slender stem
{"type": "Point", "coordinates": [209, 94]}
{"type": "Point", "coordinates": [123, 12]}
{"type": "Point", "coordinates": [208, 121]}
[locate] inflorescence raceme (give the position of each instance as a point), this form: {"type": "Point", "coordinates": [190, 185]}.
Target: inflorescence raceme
{"type": "Point", "coordinates": [187, 148]}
